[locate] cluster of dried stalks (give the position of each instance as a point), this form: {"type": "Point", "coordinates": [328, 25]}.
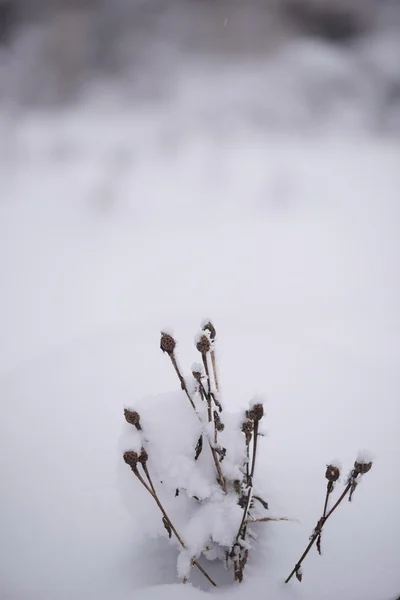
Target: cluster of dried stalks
{"type": "Point", "coordinates": [206, 386]}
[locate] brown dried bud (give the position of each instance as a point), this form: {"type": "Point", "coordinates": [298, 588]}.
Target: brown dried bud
{"type": "Point", "coordinates": [332, 473]}
{"type": "Point", "coordinates": [131, 458]}
{"type": "Point", "coordinates": [247, 428]}
{"type": "Point", "coordinates": [217, 421]}
{"type": "Point", "coordinates": [167, 343]}
{"type": "Point", "coordinates": [362, 467]}
{"type": "Point", "coordinates": [197, 372]}
{"type": "Point", "coordinates": [132, 417]}
{"type": "Point", "coordinates": [210, 327]}
{"type": "Point", "coordinates": [203, 345]}
{"type": "Point", "coordinates": [256, 412]}
{"type": "Point", "coordinates": [143, 458]}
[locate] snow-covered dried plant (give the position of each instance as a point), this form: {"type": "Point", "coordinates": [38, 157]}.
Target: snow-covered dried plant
{"type": "Point", "coordinates": [202, 480]}
{"type": "Point", "coordinates": [362, 465]}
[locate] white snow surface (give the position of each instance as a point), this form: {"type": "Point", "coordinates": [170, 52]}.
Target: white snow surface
{"type": "Point", "coordinates": [110, 227]}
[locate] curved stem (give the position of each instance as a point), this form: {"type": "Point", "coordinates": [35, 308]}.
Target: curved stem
{"type": "Point", "coordinates": [153, 493]}
{"type": "Point", "coordinates": [318, 530]}
{"type": "Point", "coordinates": [242, 528]}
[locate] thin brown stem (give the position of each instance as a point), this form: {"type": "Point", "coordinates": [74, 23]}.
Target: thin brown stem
{"type": "Point", "coordinates": [248, 440]}
{"type": "Point", "coordinates": [214, 368]}
{"type": "Point", "coordinates": [329, 489]}
{"type": "Point", "coordinates": [205, 363]}
{"type": "Point", "coordinates": [155, 497]}
{"type": "Point", "coordinates": [242, 528]}
{"type": "Point", "coordinates": [220, 477]}
{"type": "Point", "coordinates": [145, 469]}
{"type": "Point", "coordinates": [318, 529]}
{"type": "Point", "coordinates": [181, 379]}
{"type": "Point", "coordinates": [209, 397]}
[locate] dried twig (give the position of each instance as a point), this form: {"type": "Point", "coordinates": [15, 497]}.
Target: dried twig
{"type": "Point", "coordinates": [203, 346]}
{"type": "Point", "coordinates": [360, 468]}
{"type": "Point", "coordinates": [132, 459]}
{"type": "Point", "coordinates": [238, 553]}
{"type": "Point", "coordinates": [168, 344]}
{"type": "Point", "coordinates": [332, 474]}
{"type": "Point", "coordinates": [213, 334]}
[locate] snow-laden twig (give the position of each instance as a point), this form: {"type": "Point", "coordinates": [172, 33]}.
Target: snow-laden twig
{"type": "Point", "coordinates": [132, 459]}
{"type": "Point", "coordinates": [332, 474]}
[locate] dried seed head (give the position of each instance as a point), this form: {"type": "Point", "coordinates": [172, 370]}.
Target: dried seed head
{"type": "Point", "coordinates": [167, 343]}
{"type": "Point", "coordinates": [143, 456]}
{"type": "Point", "coordinates": [362, 467]}
{"type": "Point", "coordinates": [131, 458]}
{"type": "Point", "coordinates": [256, 412]}
{"type": "Point", "coordinates": [210, 327]}
{"type": "Point", "coordinates": [197, 371]}
{"type": "Point", "coordinates": [132, 417]}
{"type": "Point", "coordinates": [203, 344]}
{"type": "Point", "coordinates": [332, 473]}
{"type": "Point", "coordinates": [247, 428]}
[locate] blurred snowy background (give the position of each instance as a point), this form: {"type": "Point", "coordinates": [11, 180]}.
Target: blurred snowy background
{"type": "Point", "coordinates": [276, 62]}
{"type": "Point", "coordinates": [161, 162]}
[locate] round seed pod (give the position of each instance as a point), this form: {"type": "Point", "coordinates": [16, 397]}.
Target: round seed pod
{"type": "Point", "coordinates": [203, 344]}
{"type": "Point", "coordinates": [362, 467]}
{"type": "Point", "coordinates": [256, 412]}
{"type": "Point", "coordinates": [210, 327]}
{"type": "Point", "coordinates": [332, 473]}
{"type": "Point", "coordinates": [197, 372]}
{"type": "Point", "coordinates": [143, 458]}
{"type": "Point", "coordinates": [132, 417]}
{"type": "Point", "coordinates": [131, 458]}
{"type": "Point", "coordinates": [247, 426]}
{"type": "Point", "coordinates": [167, 343]}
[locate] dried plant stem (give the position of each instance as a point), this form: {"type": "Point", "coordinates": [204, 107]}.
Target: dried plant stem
{"type": "Point", "coordinates": [214, 368]}
{"type": "Point", "coordinates": [209, 397]}
{"type": "Point", "coordinates": [242, 528]}
{"type": "Point", "coordinates": [181, 379]}
{"type": "Point", "coordinates": [318, 529]}
{"type": "Point", "coordinates": [266, 520]}
{"type": "Point", "coordinates": [213, 334]}
{"type": "Point", "coordinates": [220, 477]}
{"type": "Point", "coordinates": [248, 440]}
{"type": "Point", "coordinates": [155, 497]}
{"type": "Point", "coordinates": [329, 490]}
{"type": "Point", "coordinates": [205, 363]}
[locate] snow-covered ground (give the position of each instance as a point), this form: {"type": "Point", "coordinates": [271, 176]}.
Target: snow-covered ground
{"type": "Point", "coordinates": [113, 226]}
